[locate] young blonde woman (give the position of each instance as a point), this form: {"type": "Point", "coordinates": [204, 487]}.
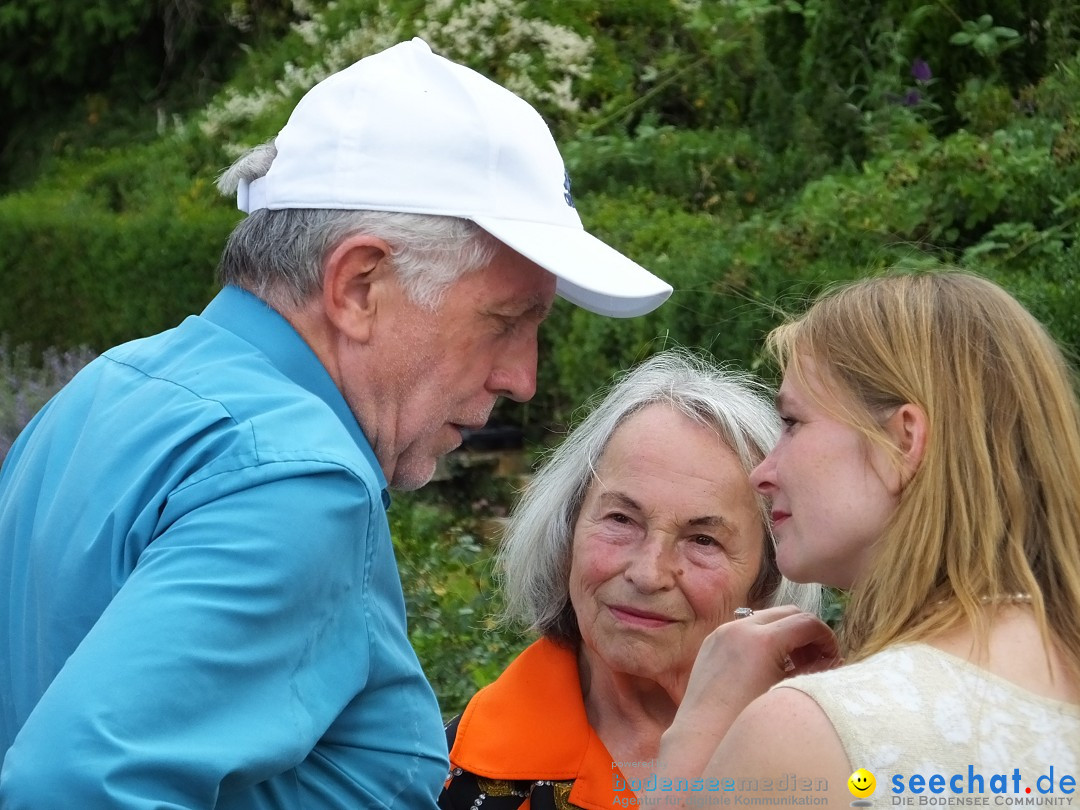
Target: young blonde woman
{"type": "Point", "coordinates": [929, 464]}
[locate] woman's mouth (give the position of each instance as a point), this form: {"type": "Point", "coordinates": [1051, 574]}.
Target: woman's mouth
{"type": "Point", "coordinates": [639, 618]}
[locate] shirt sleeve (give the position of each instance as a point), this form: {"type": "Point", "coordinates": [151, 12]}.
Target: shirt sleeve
{"type": "Point", "coordinates": [239, 637]}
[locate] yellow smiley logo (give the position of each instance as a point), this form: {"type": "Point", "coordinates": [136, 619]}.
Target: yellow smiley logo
{"type": "Point", "coordinates": [862, 783]}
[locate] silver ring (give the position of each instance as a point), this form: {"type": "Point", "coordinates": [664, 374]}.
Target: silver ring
{"type": "Point", "coordinates": [743, 612]}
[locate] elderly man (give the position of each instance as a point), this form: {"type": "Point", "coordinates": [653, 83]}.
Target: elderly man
{"type": "Point", "coordinates": [200, 603]}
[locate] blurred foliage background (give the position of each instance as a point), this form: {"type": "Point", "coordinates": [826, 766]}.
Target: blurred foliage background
{"type": "Point", "coordinates": [749, 151]}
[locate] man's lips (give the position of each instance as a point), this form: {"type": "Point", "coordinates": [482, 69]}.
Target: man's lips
{"type": "Point", "coordinates": [639, 617]}
{"type": "Point", "coordinates": [464, 429]}
{"type": "Point", "coordinates": [467, 427]}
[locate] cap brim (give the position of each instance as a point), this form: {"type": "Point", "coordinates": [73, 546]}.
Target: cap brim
{"type": "Point", "coordinates": [591, 274]}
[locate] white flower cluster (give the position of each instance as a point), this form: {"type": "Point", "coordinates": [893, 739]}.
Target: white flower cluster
{"type": "Point", "coordinates": [303, 8]}
{"type": "Point", "coordinates": [235, 106]}
{"type": "Point", "coordinates": [332, 51]}
{"type": "Point", "coordinates": [542, 59]}
{"type": "Point", "coordinates": [239, 16]}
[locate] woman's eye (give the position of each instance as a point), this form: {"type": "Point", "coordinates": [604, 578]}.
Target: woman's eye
{"type": "Point", "coordinates": [618, 517]}
{"type": "Point", "coordinates": [703, 540]}
{"type": "Point", "coordinates": [788, 422]}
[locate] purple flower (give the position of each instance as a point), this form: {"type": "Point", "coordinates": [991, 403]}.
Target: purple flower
{"type": "Point", "coordinates": [921, 70]}
{"type": "Point", "coordinates": [911, 98]}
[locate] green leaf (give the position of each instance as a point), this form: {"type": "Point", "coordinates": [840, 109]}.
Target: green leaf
{"type": "Point", "coordinates": [984, 247]}
{"type": "Point", "coordinates": [985, 44]}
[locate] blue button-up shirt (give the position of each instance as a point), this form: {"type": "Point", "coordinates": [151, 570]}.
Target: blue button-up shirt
{"type": "Point", "coordinates": [199, 603]}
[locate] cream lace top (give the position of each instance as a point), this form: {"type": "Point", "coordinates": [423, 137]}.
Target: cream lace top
{"type": "Point", "coordinates": [915, 709]}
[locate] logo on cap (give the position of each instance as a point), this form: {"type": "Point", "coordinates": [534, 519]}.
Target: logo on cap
{"type": "Point", "coordinates": [566, 190]}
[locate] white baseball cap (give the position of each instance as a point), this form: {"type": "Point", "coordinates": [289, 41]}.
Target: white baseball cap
{"type": "Point", "coordinates": [407, 130]}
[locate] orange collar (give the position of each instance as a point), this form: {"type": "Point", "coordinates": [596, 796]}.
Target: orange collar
{"type": "Point", "coordinates": [531, 724]}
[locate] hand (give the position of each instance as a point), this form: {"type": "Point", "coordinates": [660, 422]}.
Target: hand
{"type": "Point", "coordinates": [737, 662]}
{"type": "Point", "coordinates": [742, 658]}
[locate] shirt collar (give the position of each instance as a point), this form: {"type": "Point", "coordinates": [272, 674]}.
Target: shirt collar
{"type": "Point", "coordinates": [249, 317]}
{"type": "Point", "coordinates": [531, 724]}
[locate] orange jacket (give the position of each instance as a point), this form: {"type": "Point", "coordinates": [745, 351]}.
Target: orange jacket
{"type": "Point", "coordinates": [530, 725]}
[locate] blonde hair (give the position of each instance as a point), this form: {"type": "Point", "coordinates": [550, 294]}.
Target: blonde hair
{"type": "Point", "coordinates": [994, 507]}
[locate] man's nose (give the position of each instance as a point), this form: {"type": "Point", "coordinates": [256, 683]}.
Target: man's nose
{"type": "Point", "coordinates": [515, 375]}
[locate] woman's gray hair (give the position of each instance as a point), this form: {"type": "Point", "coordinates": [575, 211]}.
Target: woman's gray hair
{"type": "Point", "coordinates": [278, 255]}
{"type": "Point", "coordinates": [533, 561]}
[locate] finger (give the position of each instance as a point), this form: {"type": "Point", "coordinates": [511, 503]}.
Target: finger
{"type": "Point", "coordinates": [804, 630]}
{"type": "Point", "coordinates": [812, 653]}
{"type": "Point", "coordinates": [772, 614]}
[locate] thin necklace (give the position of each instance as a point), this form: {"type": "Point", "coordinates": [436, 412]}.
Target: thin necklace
{"type": "Point", "coordinates": [1001, 599]}
{"type": "Point", "coordinates": [1007, 599]}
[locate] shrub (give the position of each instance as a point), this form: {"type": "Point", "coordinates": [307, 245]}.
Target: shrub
{"type": "Point", "coordinates": [444, 540]}
{"type": "Point", "coordinates": [78, 272]}
{"type": "Point", "coordinates": [26, 385]}
{"type": "Point", "coordinates": [80, 73]}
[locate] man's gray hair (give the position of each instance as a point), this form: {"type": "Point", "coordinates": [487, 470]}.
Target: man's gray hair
{"type": "Point", "coordinates": [279, 255]}
{"type": "Point", "coordinates": [533, 561]}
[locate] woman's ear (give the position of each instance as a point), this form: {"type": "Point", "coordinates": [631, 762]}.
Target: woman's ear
{"type": "Point", "coordinates": [909, 430]}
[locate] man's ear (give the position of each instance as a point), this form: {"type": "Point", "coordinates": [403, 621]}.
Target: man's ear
{"type": "Point", "coordinates": [909, 429]}
{"type": "Point", "coordinates": [353, 277]}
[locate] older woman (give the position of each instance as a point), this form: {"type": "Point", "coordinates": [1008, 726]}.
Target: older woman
{"type": "Point", "coordinates": [930, 463]}
{"type": "Point", "coordinates": [639, 536]}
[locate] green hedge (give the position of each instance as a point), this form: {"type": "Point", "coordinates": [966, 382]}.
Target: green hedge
{"type": "Point", "coordinates": [80, 276]}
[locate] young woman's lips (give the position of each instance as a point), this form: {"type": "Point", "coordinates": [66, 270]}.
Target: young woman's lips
{"type": "Point", "coordinates": [639, 618]}
{"type": "Point", "coordinates": [779, 517]}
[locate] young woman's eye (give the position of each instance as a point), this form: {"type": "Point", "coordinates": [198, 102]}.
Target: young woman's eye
{"type": "Point", "coordinates": [788, 422]}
